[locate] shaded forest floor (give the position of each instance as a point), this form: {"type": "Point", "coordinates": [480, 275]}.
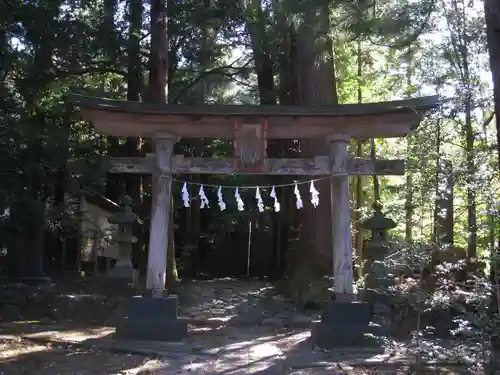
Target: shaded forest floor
{"type": "Point", "coordinates": [236, 327]}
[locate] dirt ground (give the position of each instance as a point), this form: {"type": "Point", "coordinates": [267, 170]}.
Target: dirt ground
{"type": "Point", "coordinates": [238, 327]}
{"type": "Point", "coordinates": [20, 356]}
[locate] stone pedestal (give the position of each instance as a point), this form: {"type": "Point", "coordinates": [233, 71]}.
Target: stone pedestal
{"type": "Point", "coordinates": [345, 324]}
{"type": "Point", "coordinates": [375, 251]}
{"type": "Point", "coordinates": [374, 267]}
{"type": "Point", "coordinates": [126, 273]}
{"type": "Point", "coordinates": [148, 318]}
{"type": "Point", "coordinates": [125, 219]}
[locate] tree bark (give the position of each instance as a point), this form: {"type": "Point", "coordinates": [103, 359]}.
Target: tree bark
{"type": "Point", "coordinates": [32, 246]}
{"type": "Point", "coordinates": [409, 208]}
{"type": "Point", "coordinates": [409, 205]}
{"type": "Point", "coordinates": [317, 86]}
{"type": "Point", "coordinates": [261, 52]}
{"type": "Point", "coordinates": [114, 183]}
{"type": "Point", "coordinates": [158, 62]}
{"type": "Point", "coordinates": [264, 57]}
{"type": "Point", "coordinates": [313, 82]}
{"type": "Point", "coordinates": [492, 15]}
{"type": "Point", "coordinates": [459, 43]}
{"type": "Point", "coordinates": [134, 86]}
{"type": "Point", "coordinates": [358, 239]}
{"type": "Point", "coordinates": [470, 179]}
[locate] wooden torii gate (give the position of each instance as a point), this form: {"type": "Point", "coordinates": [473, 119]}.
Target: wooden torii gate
{"type": "Point", "coordinates": [250, 127]}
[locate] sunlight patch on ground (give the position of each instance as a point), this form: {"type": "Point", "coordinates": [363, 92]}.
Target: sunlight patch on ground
{"type": "Point", "coordinates": [257, 354]}
{"type": "Point", "coordinates": [251, 354]}
{"type": "Point", "coordinates": [223, 319]}
{"type": "Point", "coordinates": [264, 350]}
{"type": "Point", "coordinates": [15, 349]}
{"type": "Point", "coordinates": [253, 358]}
{"type": "Point", "coordinates": [72, 335]}
{"type": "Point", "coordinates": [145, 368]}
{"type": "Point", "coordinates": [246, 344]}
{"type": "Point", "coordinates": [192, 367]}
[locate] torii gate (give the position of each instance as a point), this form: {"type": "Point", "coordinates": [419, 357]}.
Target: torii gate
{"type": "Point", "coordinates": [250, 127]}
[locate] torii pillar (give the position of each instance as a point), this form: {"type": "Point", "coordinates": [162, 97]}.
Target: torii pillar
{"type": "Point", "coordinates": [160, 213]}
{"type": "Point", "coordinates": [341, 217]}
{"type": "Point", "coordinates": [344, 321]}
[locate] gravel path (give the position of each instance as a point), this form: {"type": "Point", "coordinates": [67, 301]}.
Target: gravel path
{"type": "Point", "coordinates": [240, 302]}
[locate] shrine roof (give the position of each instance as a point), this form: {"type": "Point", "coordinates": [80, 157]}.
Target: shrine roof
{"type": "Point", "coordinates": [126, 118]}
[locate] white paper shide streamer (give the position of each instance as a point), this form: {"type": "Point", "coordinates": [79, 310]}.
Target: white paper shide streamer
{"type": "Point", "coordinates": [314, 195]}
{"type": "Point", "coordinates": [205, 203]}
{"type": "Point", "coordinates": [260, 202]}
{"type": "Point", "coordinates": [276, 203]}
{"type": "Point", "coordinates": [221, 203]}
{"type": "Point", "coordinates": [185, 195]}
{"type": "Point", "coordinates": [203, 198]}
{"type": "Point", "coordinates": [239, 202]}
{"type": "Point", "coordinates": [297, 196]}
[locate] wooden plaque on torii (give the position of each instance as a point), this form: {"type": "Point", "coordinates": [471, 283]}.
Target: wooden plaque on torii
{"type": "Point", "coordinates": [250, 147]}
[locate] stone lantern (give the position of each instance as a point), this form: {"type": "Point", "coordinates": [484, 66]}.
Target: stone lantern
{"type": "Point", "coordinates": [376, 249]}
{"type": "Point", "coordinates": [378, 224]}
{"type": "Point", "coordinates": [124, 220]}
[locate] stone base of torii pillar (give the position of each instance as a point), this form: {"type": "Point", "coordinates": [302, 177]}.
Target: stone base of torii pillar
{"type": "Point", "coordinates": [152, 319]}
{"type": "Point", "coordinates": [345, 321]}
{"type": "Point", "coordinates": [345, 324]}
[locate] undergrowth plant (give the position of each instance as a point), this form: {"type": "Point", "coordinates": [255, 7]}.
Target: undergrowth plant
{"type": "Point", "coordinates": [448, 310]}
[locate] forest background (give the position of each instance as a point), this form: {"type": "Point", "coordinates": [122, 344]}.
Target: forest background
{"type": "Point", "coordinates": [248, 52]}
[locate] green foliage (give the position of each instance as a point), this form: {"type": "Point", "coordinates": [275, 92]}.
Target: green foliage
{"type": "Point", "coordinates": [447, 314]}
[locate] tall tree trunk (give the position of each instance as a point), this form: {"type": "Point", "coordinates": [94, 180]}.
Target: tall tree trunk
{"type": "Point", "coordinates": [471, 188]}
{"type": "Point", "coordinates": [460, 45]}
{"type": "Point", "coordinates": [114, 182]}
{"type": "Point", "coordinates": [445, 212]}
{"type": "Point", "coordinates": [109, 42]}
{"type": "Point", "coordinates": [409, 208]}
{"type": "Point", "coordinates": [57, 242]}
{"type": "Point", "coordinates": [288, 87]}
{"type": "Point", "coordinates": [443, 205]}
{"type": "Point", "coordinates": [158, 63]}
{"type": "Point", "coordinates": [134, 87]}
{"type": "Point", "coordinates": [315, 84]}
{"type": "Point", "coordinates": [358, 239]}
{"type": "Point", "coordinates": [5, 64]}
{"type": "Point", "coordinates": [437, 182]}
{"type": "Point", "coordinates": [470, 163]}
{"type": "Point", "coordinates": [261, 52]}
{"type": "Point", "coordinates": [492, 13]}
{"type": "Point", "coordinates": [409, 204]}
{"type": "Point", "coordinates": [29, 208]}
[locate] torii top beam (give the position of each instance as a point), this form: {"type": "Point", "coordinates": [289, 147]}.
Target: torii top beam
{"type": "Point", "coordinates": [360, 121]}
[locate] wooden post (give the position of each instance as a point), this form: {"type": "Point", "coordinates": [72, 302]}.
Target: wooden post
{"type": "Point", "coordinates": [341, 231]}
{"type": "Point", "coordinates": [160, 214]}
